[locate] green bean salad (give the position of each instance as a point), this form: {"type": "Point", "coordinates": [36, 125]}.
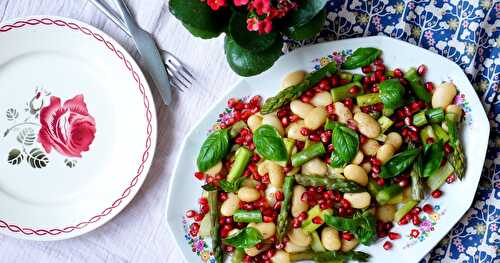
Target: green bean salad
{"type": "Point", "coordinates": [334, 160]}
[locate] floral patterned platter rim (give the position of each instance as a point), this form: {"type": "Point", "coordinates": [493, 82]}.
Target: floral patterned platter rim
{"type": "Point", "coordinates": [68, 164]}
{"type": "Point", "coordinates": [449, 208]}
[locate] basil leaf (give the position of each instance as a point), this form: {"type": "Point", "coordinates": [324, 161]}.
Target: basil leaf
{"type": "Point", "coordinates": [214, 149]}
{"type": "Point", "coordinates": [306, 12]}
{"type": "Point", "coordinates": [309, 30]}
{"type": "Point", "coordinates": [197, 14]}
{"type": "Point", "coordinates": [432, 158]}
{"type": "Point", "coordinates": [391, 93]}
{"type": "Point", "coordinates": [269, 143]}
{"type": "Point", "coordinates": [246, 63]}
{"type": "Point", "coordinates": [336, 161]}
{"type": "Point", "coordinates": [245, 238]}
{"type": "Point", "coordinates": [362, 225]}
{"type": "Point", "coordinates": [208, 187]}
{"type": "Point", "coordinates": [361, 57]}
{"type": "Point", "coordinates": [231, 187]}
{"type": "Point", "coordinates": [398, 163]}
{"type": "Point", "coordinates": [346, 142]}
{"type": "Point", "coordinates": [250, 40]}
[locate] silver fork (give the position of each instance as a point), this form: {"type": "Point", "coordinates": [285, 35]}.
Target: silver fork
{"type": "Point", "coordinates": [180, 77]}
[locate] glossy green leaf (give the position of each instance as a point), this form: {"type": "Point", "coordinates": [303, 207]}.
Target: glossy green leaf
{"type": "Point", "coordinates": [246, 63]}
{"type": "Point", "coordinates": [346, 142]}
{"type": "Point", "coordinates": [201, 33]}
{"type": "Point", "coordinates": [197, 14]}
{"type": "Point", "coordinates": [214, 149]}
{"type": "Point", "coordinates": [308, 30]}
{"type": "Point", "coordinates": [245, 238]}
{"type": "Point", "coordinates": [432, 158]}
{"type": "Point", "coordinates": [399, 163]}
{"type": "Point", "coordinates": [306, 12]}
{"type": "Point", "coordinates": [361, 57]}
{"type": "Point", "coordinates": [251, 40]}
{"type": "Point", "coordinates": [269, 143]}
{"type": "Point", "coordinates": [391, 93]}
{"type": "Point", "coordinates": [362, 225]}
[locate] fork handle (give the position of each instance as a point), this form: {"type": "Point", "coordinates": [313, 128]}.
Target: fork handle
{"type": "Point", "coordinates": [108, 11]}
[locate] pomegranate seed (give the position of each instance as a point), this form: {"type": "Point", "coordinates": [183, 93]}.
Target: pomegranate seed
{"type": "Point", "coordinates": [284, 121]}
{"type": "Point", "coordinates": [277, 206]}
{"type": "Point", "coordinates": [363, 139]}
{"type": "Point", "coordinates": [394, 236]}
{"type": "Point", "coordinates": [203, 201]}
{"type": "Point", "coordinates": [416, 210]}
{"type": "Point", "coordinates": [199, 175]}
{"type": "Point", "coordinates": [198, 217]}
{"type": "Point", "coordinates": [345, 203]}
{"type": "Point", "coordinates": [255, 100]}
{"type": "Point", "coordinates": [347, 236]}
{"type": "Point", "coordinates": [282, 113]}
{"type": "Point", "coordinates": [375, 161]}
{"type": "Point", "coordinates": [265, 179]}
{"type": "Point", "coordinates": [429, 141]}
{"type": "Point", "coordinates": [348, 102]}
{"type": "Point", "coordinates": [267, 219]}
{"type": "Point", "coordinates": [294, 118]}
{"type": "Point", "coordinates": [416, 220]}
{"type": "Point", "coordinates": [398, 73]}
{"type": "Point", "coordinates": [247, 259]}
{"type": "Point", "coordinates": [314, 137]}
{"type": "Point", "coordinates": [353, 90]}
{"type": "Point", "coordinates": [376, 169]}
{"type": "Point", "coordinates": [378, 107]}
{"type": "Point", "coordinates": [204, 209]}
{"type": "Point", "coordinates": [317, 220]}
{"type": "Point", "coordinates": [334, 80]}
{"type": "Point", "coordinates": [279, 196]}
{"type": "Point", "coordinates": [381, 234]}
{"type": "Point", "coordinates": [378, 61]}
{"type": "Point", "coordinates": [325, 137]}
{"type": "Point", "coordinates": [447, 148]}
{"type": "Point", "coordinates": [365, 109]}
{"type": "Point", "coordinates": [191, 213]}
{"type": "Point", "coordinates": [408, 120]}
{"type": "Point", "coordinates": [429, 86]}
{"type": "Point", "coordinates": [302, 216]}
{"type": "Point", "coordinates": [375, 89]}
{"type": "Point", "coordinates": [194, 228]}
{"type": "Point", "coordinates": [436, 193]}
{"type": "Point", "coordinates": [421, 70]}
{"type": "Point", "coordinates": [259, 246]}
{"type": "Point", "coordinates": [404, 182]}
{"type": "Point", "coordinates": [270, 253]}
{"type": "Point", "coordinates": [451, 178]}
{"type": "Point", "coordinates": [324, 85]}
{"type": "Point", "coordinates": [330, 108]}
{"type": "Point", "coordinates": [305, 131]}
{"type": "Point", "coordinates": [403, 221]}
{"type": "Point", "coordinates": [380, 67]}
{"type": "Point", "coordinates": [387, 245]}
{"type": "Point", "coordinates": [296, 223]}
{"type": "Point", "coordinates": [305, 99]}
{"type": "Point", "coordinates": [388, 226]}
{"type": "Point", "coordinates": [279, 246]}
{"type": "Point", "coordinates": [366, 69]}
{"type": "Point", "coordinates": [428, 208]}
{"type": "Point", "coordinates": [380, 181]}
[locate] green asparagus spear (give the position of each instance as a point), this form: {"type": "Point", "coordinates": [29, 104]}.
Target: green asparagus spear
{"type": "Point", "coordinates": [241, 159]}
{"type": "Point", "coordinates": [238, 256]}
{"type": "Point", "coordinates": [417, 187]}
{"type": "Point", "coordinates": [341, 185]}
{"type": "Point", "coordinates": [214, 232]}
{"type": "Point", "coordinates": [330, 255]}
{"type": "Point", "coordinates": [285, 207]}
{"type": "Point", "coordinates": [248, 216]}
{"type": "Point", "coordinates": [457, 157]}
{"type": "Point", "coordinates": [417, 85]}
{"type": "Point", "coordinates": [342, 92]}
{"type": "Point", "coordinates": [368, 99]}
{"type": "Point", "coordinates": [295, 91]}
{"type": "Point", "coordinates": [310, 152]}
{"type": "Point", "coordinates": [419, 119]}
{"type": "Point", "coordinates": [387, 193]}
{"type": "Point", "coordinates": [435, 115]}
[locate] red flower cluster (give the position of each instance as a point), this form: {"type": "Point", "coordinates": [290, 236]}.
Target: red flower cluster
{"type": "Point", "coordinates": [260, 12]}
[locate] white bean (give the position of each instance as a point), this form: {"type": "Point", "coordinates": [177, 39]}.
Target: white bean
{"type": "Point", "coordinates": [293, 78]}
{"type": "Point", "coordinates": [358, 200]}
{"type": "Point", "coordinates": [293, 131]}
{"type": "Point", "coordinates": [348, 245]}
{"type": "Point", "coordinates": [276, 174]}
{"type": "Point", "coordinates": [367, 125]}
{"type": "Point", "coordinates": [358, 159]}
{"type": "Point", "coordinates": [343, 113]}
{"type": "Point", "coordinates": [290, 247]}
{"type": "Point", "coordinates": [322, 99]}
{"type": "Point", "coordinates": [270, 194]}
{"type": "Point", "coordinates": [254, 122]}
{"type": "Point", "coordinates": [299, 237]}
{"type": "Point", "coordinates": [272, 120]}
{"type": "Point", "coordinates": [281, 257]}
{"type": "Point", "coordinates": [300, 108]}
{"type": "Point", "coordinates": [385, 213]}
{"type": "Point", "coordinates": [385, 152]}
{"type": "Point", "coordinates": [267, 230]}
{"type": "Point", "coordinates": [370, 147]}
{"type": "Point", "coordinates": [356, 109]}
{"type": "Point", "coordinates": [315, 167]}
{"type": "Point", "coordinates": [315, 118]}
{"type": "Point", "coordinates": [253, 251]}
{"type": "Point", "coordinates": [395, 139]}
{"type": "Point", "coordinates": [453, 108]}
{"type": "Point", "coordinates": [298, 206]}
{"type": "Point", "coordinates": [330, 239]}
{"type": "Point", "coordinates": [248, 194]}
{"type": "Point", "coordinates": [229, 207]}
{"type": "Point", "coordinates": [356, 173]}
{"type": "Point", "coordinates": [214, 170]}
{"type": "Point", "coordinates": [443, 95]}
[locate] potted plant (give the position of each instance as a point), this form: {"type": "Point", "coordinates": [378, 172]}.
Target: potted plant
{"type": "Point", "coordinates": [254, 28]}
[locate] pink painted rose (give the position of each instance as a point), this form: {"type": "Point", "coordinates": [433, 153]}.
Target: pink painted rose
{"type": "Point", "coordinates": [68, 128]}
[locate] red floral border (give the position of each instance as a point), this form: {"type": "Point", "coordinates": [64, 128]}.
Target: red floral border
{"type": "Point", "coordinates": [149, 127]}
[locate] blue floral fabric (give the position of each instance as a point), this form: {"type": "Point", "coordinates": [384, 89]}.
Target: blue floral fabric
{"type": "Point", "coordinates": [467, 32]}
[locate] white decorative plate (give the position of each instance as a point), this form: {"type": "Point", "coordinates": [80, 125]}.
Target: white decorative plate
{"type": "Point", "coordinates": [417, 241]}
{"type": "Point", "coordinates": [77, 128]}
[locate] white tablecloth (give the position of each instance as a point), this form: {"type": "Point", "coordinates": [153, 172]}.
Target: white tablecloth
{"type": "Point", "coordinates": [139, 233]}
